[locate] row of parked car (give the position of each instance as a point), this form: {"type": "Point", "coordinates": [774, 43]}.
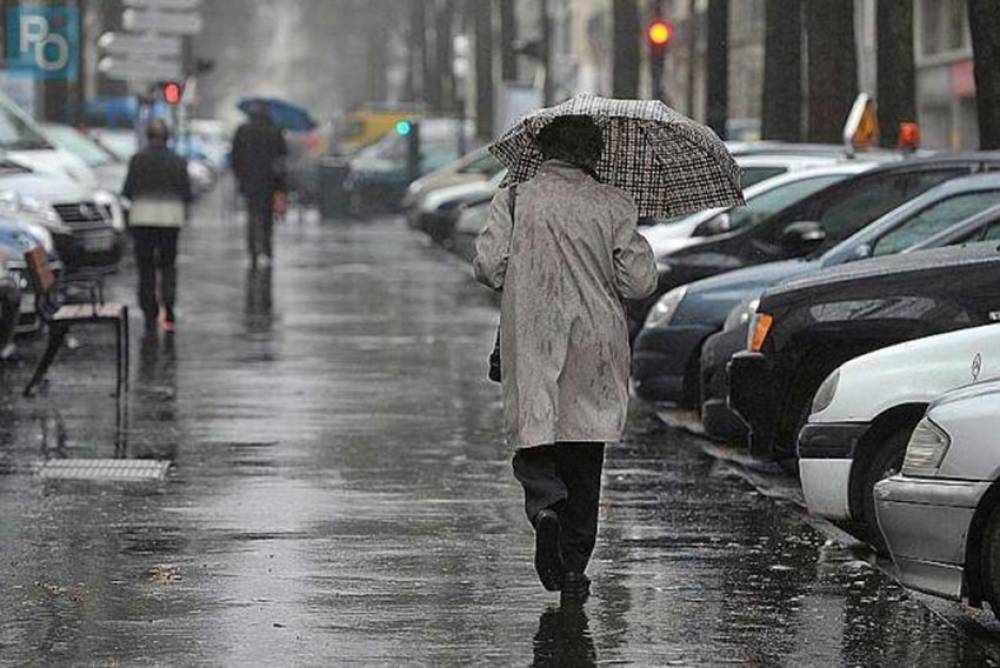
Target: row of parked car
{"type": "Point", "coordinates": [844, 321]}
{"type": "Point", "coordinates": [58, 190]}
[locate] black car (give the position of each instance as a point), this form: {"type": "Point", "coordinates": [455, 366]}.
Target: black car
{"type": "Point", "coordinates": [806, 328]}
{"type": "Point", "coordinates": [665, 361]}
{"type": "Point", "coordinates": [812, 225]}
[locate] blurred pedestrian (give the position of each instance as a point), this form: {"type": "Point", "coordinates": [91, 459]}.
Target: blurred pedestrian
{"type": "Point", "coordinates": [158, 187]}
{"type": "Point", "coordinates": [564, 248]}
{"type": "Point", "coordinates": [259, 152]}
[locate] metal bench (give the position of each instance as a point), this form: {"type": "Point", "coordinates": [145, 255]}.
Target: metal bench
{"type": "Point", "coordinates": [59, 316]}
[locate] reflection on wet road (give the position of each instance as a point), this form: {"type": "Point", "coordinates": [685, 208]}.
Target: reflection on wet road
{"type": "Point", "coordinates": [338, 495]}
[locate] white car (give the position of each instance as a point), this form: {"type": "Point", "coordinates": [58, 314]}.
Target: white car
{"type": "Point", "coordinates": [802, 177]}
{"type": "Point", "coordinates": [865, 411]}
{"type": "Point", "coordinates": [23, 140]}
{"type": "Point", "coordinates": [941, 516]}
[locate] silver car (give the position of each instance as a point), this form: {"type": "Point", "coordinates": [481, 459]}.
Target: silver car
{"type": "Point", "coordinates": [941, 515]}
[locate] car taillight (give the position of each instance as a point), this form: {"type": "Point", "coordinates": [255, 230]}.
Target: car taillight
{"type": "Point", "coordinates": [759, 327]}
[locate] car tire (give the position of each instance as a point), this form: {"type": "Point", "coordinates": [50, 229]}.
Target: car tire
{"type": "Point", "coordinates": [989, 561]}
{"type": "Point", "coordinates": [885, 460]}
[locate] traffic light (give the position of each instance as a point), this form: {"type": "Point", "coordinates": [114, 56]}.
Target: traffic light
{"type": "Point", "coordinates": [172, 92]}
{"type": "Point", "coordinates": [659, 33]}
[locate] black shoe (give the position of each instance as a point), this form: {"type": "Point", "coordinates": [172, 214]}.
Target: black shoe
{"type": "Point", "coordinates": [575, 589]}
{"type": "Point", "coordinates": [548, 553]}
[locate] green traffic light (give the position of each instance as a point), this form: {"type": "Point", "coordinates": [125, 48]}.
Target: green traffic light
{"type": "Point", "coordinates": [404, 127]}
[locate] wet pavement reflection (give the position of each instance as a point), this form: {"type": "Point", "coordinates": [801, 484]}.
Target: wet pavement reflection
{"type": "Point", "coordinates": [338, 495]}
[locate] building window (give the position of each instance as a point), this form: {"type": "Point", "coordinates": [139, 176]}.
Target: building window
{"type": "Point", "coordinates": [944, 27]}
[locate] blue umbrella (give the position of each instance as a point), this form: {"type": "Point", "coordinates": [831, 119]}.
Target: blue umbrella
{"type": "Point", "coordinates": [283, 114]}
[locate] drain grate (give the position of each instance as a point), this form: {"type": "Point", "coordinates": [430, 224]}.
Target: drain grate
{"type": "Point", "coordinates": [102, 469]}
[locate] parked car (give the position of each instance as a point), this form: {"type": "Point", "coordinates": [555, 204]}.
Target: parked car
{"type": "Point", "coordinates": [380, 174]}
{"type": "Point", "coordinates": [438, 211]}
{"type": "Point", "coordinates": [23, 140]}
{"type": "Point", "coordinates": [107, 167]}
{"type": "Point", "coordinates": [472, 219]}
{"type": "Point", "coordinates": [865, 411]}
{"type": "Point", "coordinates": [813, 224]}
{"type": "Point", "coordinates": [60, 204]}
{"type": "Point", "coordinates": [941, 515]}
{"type": "Point", "coordinates": [770, 183]}
{"type": "Point", "coordinates": [479, 165]}
{"type": "Point", "coordinates": [666, 358]}
{"type": "Point", "coordinates": [808, 327]}
{"type": "Point", "coordinates": [16, 238]}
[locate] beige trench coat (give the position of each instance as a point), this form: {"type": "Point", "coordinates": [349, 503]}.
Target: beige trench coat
{"type": "Point", "coordinates": [563, 335]}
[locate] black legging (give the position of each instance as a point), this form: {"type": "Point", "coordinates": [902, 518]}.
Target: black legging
{"type": "Point", "coordinates": [565, 477]}
{"type": "Point", "coordinates": [156, 249]}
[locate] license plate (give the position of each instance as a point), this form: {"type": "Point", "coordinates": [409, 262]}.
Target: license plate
{"type": "Point", "coordinates": [102, 241]}
{"type": "Point", "coordinates": [27, 303]}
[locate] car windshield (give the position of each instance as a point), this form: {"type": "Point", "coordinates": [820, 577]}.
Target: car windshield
{"type": "Point", "coordinates": [18, 132]}
{"type": "Point", "coordinates": [752, 175]}
{"type": "Point", "coordinates": [80, 145]}
{"type": "Point", "coordinates": [766, 204]}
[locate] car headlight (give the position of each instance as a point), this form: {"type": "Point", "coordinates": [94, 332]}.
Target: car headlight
{"type": "Point", "coordinates": [111, 207]}
{"type": "Point", "coordinates": [32, 206]}
{"type": "Point", "coordinates": [926, 450]}
{"type": "Point", "coordinates": [662, 266]}
{"type": "Point", "coordinates": [663, 312]}
{"type": "Point", "coordinates": [741, 313]}
{"type": "Point", "coordinates": [825, 393]}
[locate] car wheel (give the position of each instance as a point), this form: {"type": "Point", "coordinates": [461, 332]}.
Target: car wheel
{"type": "Point", "coordinates": [885, 461]}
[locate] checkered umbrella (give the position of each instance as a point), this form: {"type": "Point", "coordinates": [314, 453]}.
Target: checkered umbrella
{"type": "Point", "coordinates": [667, 162]}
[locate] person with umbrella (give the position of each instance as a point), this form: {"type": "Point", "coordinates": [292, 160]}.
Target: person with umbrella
{"type": "Point", "coordinates": [562, 245]}
{"type": "Point", "coordinates": [259, 150]}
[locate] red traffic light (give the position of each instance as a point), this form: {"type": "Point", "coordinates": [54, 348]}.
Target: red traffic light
{"type": "Point", "coordinates": [172, 92]}
{"type": "Point", "coordinates": [659, 33]}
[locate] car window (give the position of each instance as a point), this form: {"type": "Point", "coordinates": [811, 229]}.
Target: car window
{"type": "Point", "coordinates": [81, 146]}
{"type": "Point", "coordinates": [933, 219]}
{"type": "Point", "coordinates": [992, 232]}
{"type": "Point", "coordinates": [17, 132]}
{"type": "Point", "coordinates": [751, 175]}
{"type": "Point", "coordinates": [487, 165]}
{"type": "Point", "coordinates": [855, 209]}
{"type": "Point", "coordinates": [766, 204]}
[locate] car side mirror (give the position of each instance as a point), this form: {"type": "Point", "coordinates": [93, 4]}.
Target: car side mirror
{"type": "Point", "coordinates": [714, 225]}
{"type": "Point", "coordinates": [863, 252]}
{"type": "Point", "coordinates": [803, 236]}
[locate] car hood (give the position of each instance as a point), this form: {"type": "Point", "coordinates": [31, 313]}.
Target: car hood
{"type": "Point", "coordinates": [710, 300]}
{"type": "Point", "coordinates": [939, 259]}
{"type": "Point", "coordinates": [458, 194]}
{"type": "Point", "coordinates": [47, 187]}
{"type": "Point", "coordinates": [111, 177]}
{"type": "Point", "coordinates": [58, 163]}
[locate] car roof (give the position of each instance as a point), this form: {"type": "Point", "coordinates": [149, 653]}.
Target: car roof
{"type": "Point", "coordinates": [948, 256]}
{"type": "Point", "coordinates": [766, 185]}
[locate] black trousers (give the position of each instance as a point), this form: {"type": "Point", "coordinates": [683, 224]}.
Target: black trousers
{"type": "Point", "coordinates": [260, 224]}
{"type": "Point", "coordinates": [156, 251]}
{"type": "Point", "coordinates": [565, 477]}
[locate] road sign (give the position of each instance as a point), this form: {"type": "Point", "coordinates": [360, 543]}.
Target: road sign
{"type": "Point", "coordinates": [169, 5]}
{"type": "Point", "coordinates": [140, 70]}
{"type": "Point", "coordinates": [121, 44]}
{"type": "Point", "coordinates": [861, 129]}
{"type": "Point", "coordinates": [173, 23]}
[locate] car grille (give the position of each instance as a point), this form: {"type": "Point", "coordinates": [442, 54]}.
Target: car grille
{"type": "Point", "coordinates": [81, 214]}
{"type": "Point", "coordinates": [20, 278]}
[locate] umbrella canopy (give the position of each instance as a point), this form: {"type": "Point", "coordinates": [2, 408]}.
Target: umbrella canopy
{"type": "Point", "coordinates": [283, 114]}
{"type": "Point", "coordinates": [668, 163]}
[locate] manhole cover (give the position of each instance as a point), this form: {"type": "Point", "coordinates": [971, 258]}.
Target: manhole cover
{"type": "Point", "coordinates": [102, 469]}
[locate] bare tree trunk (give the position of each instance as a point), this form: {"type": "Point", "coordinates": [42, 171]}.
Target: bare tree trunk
{"type": "Point", "coordinates": [508, 34]}
{"type": "Point", "coordinates": [482, 13]}
{"type": "Point", "coordinates": [546, 51]}
{"type": "Point", "coordinates": [417, 61]}
{"type": "Point", "coordinates": [897, 84]}
{"type": "Point", "coordinates": [833, 67]}
{"type": "Point", "coordinates": [781, 116]}
{"type": "Point", "coordinates": [984, 21]}
{"type": "Point", "coordinates": [717, 70]}
{"type": "Point", "coordinates": [625, 49]}
{"type": "Point", "coordinates": [692, 55]}
{"type": "Point", "coordinates": [444, 26]}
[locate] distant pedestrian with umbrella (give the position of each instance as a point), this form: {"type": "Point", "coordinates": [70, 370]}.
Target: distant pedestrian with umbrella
{"type": "Point", "coordinates": [562, 245]}
{"type": "Point", "coordinates": [158, 187]}
{"type": "Point", "coordinates": [259, 152]}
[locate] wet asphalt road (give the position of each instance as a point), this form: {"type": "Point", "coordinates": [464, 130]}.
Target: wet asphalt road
{"type": "Point", "coordinates": [338, 496]}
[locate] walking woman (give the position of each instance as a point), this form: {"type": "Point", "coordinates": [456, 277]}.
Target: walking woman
{"type": "Point", "coordinates": [564, 249]}
{"type": "Point", "coordinates": [158, 186]}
